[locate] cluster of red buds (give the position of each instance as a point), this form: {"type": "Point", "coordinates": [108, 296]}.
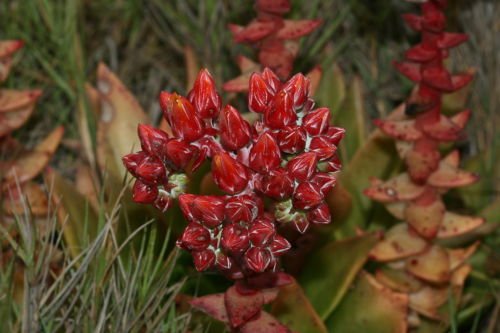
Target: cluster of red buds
{"type": "Point", "coordinates": [275, 38]}
{"type": "Point", "coordinates": [416, 195]}
{"type": "Point", "coordinates": [287, 156]}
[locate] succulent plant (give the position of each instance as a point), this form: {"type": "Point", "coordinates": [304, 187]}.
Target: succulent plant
{"type": "Point", "coordinates": [417, 264]}
{"type": "Point", "coordinates": [275, 38]}
{"type": "Point", "coordinates": [287, 157]}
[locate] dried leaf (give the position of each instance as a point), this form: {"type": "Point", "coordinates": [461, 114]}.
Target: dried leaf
{"type": "Point", "coordinates": [119, 118]}
{"type": "Point", "coordinates": [29, 194]}
{"type": "Point", "coordinates": [31, 163]}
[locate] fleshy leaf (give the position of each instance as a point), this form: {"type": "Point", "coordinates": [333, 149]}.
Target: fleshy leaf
{"type": "Point", "coordinates": [240, 308]}
{"type": "Point", "coordinates": [253, 32]}
{"type": "Point", "coordinates": [379, 153]}
{"type": "Point", "coordinates": [399, 242]}
{"type": "Point", "coordinates": [399, 129]}
{"type": "Point", "coordinates": [293, 309]}
{"type": "Point", "coordinates": [455, 225]}
{"type": "Point", "coordinates": [459, 256]}
{"type": "Point", "coordinates": [353, 119]}
{"type": "Point", "coordinates": [425, 219]}
{"type": "Point", "coordinates": [293, 29]}
{"type": "Point", "coordinates": [213, 305]}
{"type": "Point", "coordinates": [427, 301]}
{"type": "Point", "coordinates": [332, 89]}
{"type": "Point", "coordinates": [448, 176]}
{"type": "Point", "coordinates": [398, 280]}
{"type": "Point", "coordinates": [264, 323]}
{"type": "Point", "coordinates": [399, 188]}
{"type": "Point", "coordinates": [370, 307]}
{"type": "Point", "coordinates": [446, 129]}
{"type": "Point", "coordinates": [433, 265]}
{"type": "Point", "coordinates": [329, 273]}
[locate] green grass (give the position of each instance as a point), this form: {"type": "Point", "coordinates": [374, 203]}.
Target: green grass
{"type": "Point", "coordinates": [109, 287]}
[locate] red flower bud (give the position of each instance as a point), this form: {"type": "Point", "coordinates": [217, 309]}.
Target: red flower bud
{"type": "Point", "coordinates": [265, 154]}
{"type": "Point", "coordinates": [233, 129]}
{"type": "Point", "coordinates": [317, 121]}
{"type": "Point", "coordinates": [319, 215]}
{"type": "Point", "coordinates": [204, 96]}
{"type": "Point", "coordinates": [209, 210]}
{"type": "Point", "coordinates": [324, 181]}
{"type": "Point", "coordinates": [132, 161]}
{"type": "Point", "coordinates": [335, 134]}
{"type": "Point", "coordinates": [223, 262]}
{"type": "Point", "coordinates": [195, 237]}
{"type": "Point", "coordinates": [229, 174]}
{"type": "Point", "coordinates": [301, 223]}
{"type": "Point", "coordinates": [261, 232]}
{"type": "Point", "coordinates": [307, 196]}
{"type": "Point", "coordinates": [179, 153]}
{"type": "Point", "coordinates": [277, 184]}
{"type": "Point", "coordinates": [151, 170]}
{"type": "Point", "coordinates": [259, 94]}
{"type": "Point", "coordinates": [279, 245]}
{"type": "Point", "coordinates": [258, 259]}
{"type": "Point", "coordinates": [323, 147]}
{"type": "Point", "coordinates": [186, 205]}
{"type": "Point", "coordinates": [163, 202]}
{"type": "Point", "coordinates": [298, 87]}
{"type": "Point", "coordinates": [203, 260]}
{"type": "Point", "coordinates": [273, 82]}
{"type": "Point", "coordinates": [143, 193]}
{"type": "Point", "coordinates": [292, 139]}
{"type": "Point", "coordinates": [152, 140]}
{"type": "Point", "coordinates": [182, 117]}
{"type": "Point", "coordinates": [302, 167]}
{"type": "Point", "coordinates": [334, 164]}
{"type": "Point", "coordinates": [281, 112]}
{"type": "Point", "coordinates": [235, 238]}
{"type": "Point", "coordinates": [242, 208]}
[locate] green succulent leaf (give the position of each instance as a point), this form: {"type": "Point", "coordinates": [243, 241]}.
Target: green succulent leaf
{"type": "Point", "coordinates": [293, 309]}
{"type": "Point", "coordinates": [330, 271]}
{"type": "Point", "coordinates": [331, 91]}
{"type": "Point", "coordinates": [352, 117]}
{"type": "Point", "coordinates": [377, 157]}
{"type": "Point", "coordinates": [370, 307]}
